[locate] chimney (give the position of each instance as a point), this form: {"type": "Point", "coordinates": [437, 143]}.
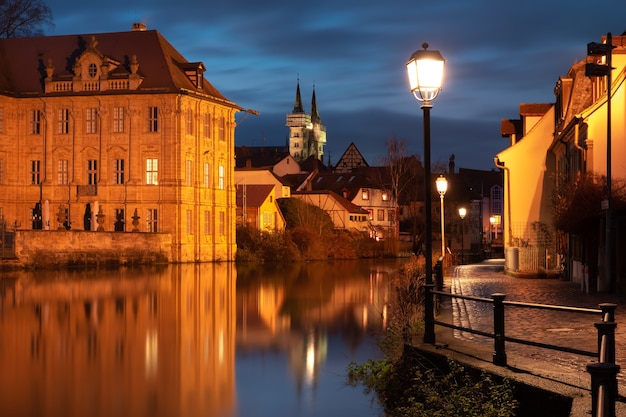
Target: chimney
{"type": "Point", "coordinates": [139, 27]}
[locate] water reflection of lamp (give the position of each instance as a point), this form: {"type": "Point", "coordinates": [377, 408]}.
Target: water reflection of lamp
{"type": "Point", "coordinates": [462, 214]}
{"type": "Point", "coordinates": [425, 72]}
{"type": "Point", "coordinates": [442, 187]}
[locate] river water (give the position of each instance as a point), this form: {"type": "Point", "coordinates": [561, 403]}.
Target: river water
{"type": "Point", "coordinates": [214, 340]}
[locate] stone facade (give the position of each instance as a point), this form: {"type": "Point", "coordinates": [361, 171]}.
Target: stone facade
{"type": "Point", "coordinates": [116, 131]}
{"type": "Point", "coordinates": [65, 248]}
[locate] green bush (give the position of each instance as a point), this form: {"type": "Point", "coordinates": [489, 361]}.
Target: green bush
{"type": "Point", "coordinates": [413, 387]}
{"type": "Point", "coordinates": [409, 385]}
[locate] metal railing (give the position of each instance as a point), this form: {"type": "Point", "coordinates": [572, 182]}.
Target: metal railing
{"type": "Point", "coordinates": [603, 373]}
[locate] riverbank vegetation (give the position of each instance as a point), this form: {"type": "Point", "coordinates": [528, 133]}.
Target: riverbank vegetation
{"type": "Point", "coordinates": [310, 235]}
{"type": "Point", "coordinates": [407, 384]}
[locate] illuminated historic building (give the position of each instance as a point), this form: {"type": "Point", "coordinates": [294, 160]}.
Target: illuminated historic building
{"type": "Point", "coordinates": [116, 132]}
{"type": "Point", "coordinates": [307, 134]}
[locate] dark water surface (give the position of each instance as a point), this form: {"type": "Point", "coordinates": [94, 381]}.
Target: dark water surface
{"type": "Point", "coordinates": [214, 340]}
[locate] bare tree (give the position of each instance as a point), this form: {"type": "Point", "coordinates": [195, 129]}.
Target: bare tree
{"type": "Point", "coordinates": [22, 18]}
{"type": "Point", "coordinates": [403, 178]}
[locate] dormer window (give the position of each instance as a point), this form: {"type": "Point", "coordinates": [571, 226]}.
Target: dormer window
{"type": "Point", "coordinates": [92, 70]}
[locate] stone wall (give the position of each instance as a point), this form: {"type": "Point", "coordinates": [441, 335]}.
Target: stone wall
{"type": "Point", "coordinates": [61, 248]}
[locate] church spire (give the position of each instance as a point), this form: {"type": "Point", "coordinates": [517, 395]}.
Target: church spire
{"type": "Point", "coordinates": [297, 106]}
{"type": "Point", "coordinates": [315, 115]}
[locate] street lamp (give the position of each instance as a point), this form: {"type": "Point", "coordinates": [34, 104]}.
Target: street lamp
{"type": "Point", "coordinates": [604, 51]}
{"type": "Point", "coordinates": [462, 214]}
{"type": "Point", "coordinates": [442, 187]}
{"type": "Point", "coordinates": [425, 72]}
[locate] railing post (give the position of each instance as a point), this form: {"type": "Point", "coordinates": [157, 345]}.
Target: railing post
{"type": "Point", "coordinates": [606, 341]}
{"type": "Point", "coordinates": [608, 311]}
{"type": "Point", "coordinates": [604, 373]}
{"type": "Point", "coordinates": [603, 380]}
{"type": "Point", "coordinates": [429, 314]}
{"type": "Point", "coordinates": [499, 354]}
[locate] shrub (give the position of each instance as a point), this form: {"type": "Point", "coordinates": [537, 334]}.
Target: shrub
{"type": "Point", "coordinates": [413, 387]}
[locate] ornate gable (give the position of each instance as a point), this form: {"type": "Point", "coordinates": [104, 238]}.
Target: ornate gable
{"type": "Point", "coordinates": [94, 71]}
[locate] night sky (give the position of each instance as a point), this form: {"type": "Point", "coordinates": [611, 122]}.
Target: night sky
{"type": "Point", "coordinates": [498, 54]}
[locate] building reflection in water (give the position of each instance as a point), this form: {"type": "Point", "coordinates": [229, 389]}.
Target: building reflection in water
{"type": "Point", "coordinates": [164, 342]}
{"type": "Point", "coordinates": [294, 310]}
{"type": "Point", "coordinates": [130, 342]}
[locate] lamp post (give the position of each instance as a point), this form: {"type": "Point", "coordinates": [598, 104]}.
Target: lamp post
{"type": "Point", "coordinates": [492, 221]}
{"type": "Point", "coordinates": [425, 72]}
{"type": "Point", "coordinates": [604, 51]}
{"type": "Point", "coordinates": [462, 214]}
{"type": "Point", "coordinates": [442, 187]}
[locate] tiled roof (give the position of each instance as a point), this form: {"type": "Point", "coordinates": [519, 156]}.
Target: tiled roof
{"type": "Point", "coordinates": [510, 127]}
{"type": "Point", "coordinates": [259, 156]}
{"type": "Point", "coordinates": [344, 184]}
{"type": "Point", "coordinates": [23, 62]}
{"type": "Point", "coordinates": [347, 205]}
{"type": "Point", "coordinates": [534, 109]}
{"type": "Point", "coordinates": [255, 194]}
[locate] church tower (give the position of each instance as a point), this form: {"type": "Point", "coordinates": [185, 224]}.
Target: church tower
{"type": "Point", "coordinates": [307, 134]}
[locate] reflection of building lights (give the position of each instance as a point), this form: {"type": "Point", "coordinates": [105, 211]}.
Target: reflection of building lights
{"type": "Point", "coordinates": [220, 347]}
{"type": "Point", "coordinates": [152, 353]}
{"type": "Point", "coordinates": [309, 373]}
{"type": "Point", "coordinates": [385, 313]}
{"type": "Point", "coordinates": [364, 317]}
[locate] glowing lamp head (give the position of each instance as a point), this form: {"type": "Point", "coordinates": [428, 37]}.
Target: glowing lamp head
{"type": "Point", "coordinates": [442, 185]}
{"type": "Point", "coordinates": [462, 212]}
{"type": "Point", "coordinates": [425, 71]}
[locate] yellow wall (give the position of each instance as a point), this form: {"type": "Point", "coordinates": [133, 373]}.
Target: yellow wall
{"type": "Point", "coordinates": [193, 237]}
{"type": "Point", "coordinates": [527, 186]}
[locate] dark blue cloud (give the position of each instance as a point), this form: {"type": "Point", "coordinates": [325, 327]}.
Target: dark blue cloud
{"type": "Point", "coordinates": [499, 54]}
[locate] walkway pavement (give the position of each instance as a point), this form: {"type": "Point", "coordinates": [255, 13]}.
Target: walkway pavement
{"type": "Point", "coordinates": [563, 373]}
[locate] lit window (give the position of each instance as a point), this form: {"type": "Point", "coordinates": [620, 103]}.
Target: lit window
{"type": "Point", "coordinates": [385, 196]}
{"type": "Point", "coordinates": [118, 119]}
{"type": "Point", "coordinates": [188, 173]}
{"type": "Point", "coordinates": [62, 172]}
{"type": "Point", "coordinates": [207, 222]}
{"type": "Point", "coordinates": [220, 178]}
{"type": "Point", "coordinates": [206, 131]}
{"type": "Point", "coordinates": [152, 171]}
{"type": "Point", "coordinates": [189, 222]}
{"type": "Point", "coordinates": [189, 122]}
{"type": "Point", "coordinates": [207, 175]}
{"type": "Point", "coordinates": [365, 194]}
{"type": "Point", "coordinates": [222, 127]}
{"type": "Point", "coordinates": [91, 125]}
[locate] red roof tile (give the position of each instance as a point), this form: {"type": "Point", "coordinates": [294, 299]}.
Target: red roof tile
{"type": "Point", "coordinates": [23, 61]}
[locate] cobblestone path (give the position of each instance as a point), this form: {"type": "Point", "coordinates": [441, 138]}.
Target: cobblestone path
{"type": "Point", "coordinates": [559, 328]}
